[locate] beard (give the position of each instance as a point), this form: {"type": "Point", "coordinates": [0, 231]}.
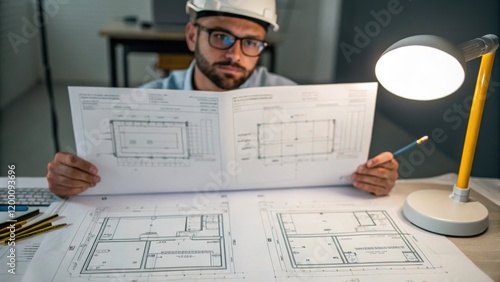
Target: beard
{"type": "Point", "coordinates": [223, 81]}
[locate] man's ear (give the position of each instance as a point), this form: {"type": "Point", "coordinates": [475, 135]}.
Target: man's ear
{"type": "Point", "coordinates": [191, 32]}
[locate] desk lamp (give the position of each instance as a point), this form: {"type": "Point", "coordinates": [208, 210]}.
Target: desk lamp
{"type": "Point", "coordinates": [427, 67]}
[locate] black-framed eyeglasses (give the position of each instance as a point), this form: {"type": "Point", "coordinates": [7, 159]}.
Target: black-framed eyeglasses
{"type": "Point", "coordinates": [223, 40]}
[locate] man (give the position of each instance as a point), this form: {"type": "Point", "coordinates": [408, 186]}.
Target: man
{"type": "Point", "coordinates": [227, 41]}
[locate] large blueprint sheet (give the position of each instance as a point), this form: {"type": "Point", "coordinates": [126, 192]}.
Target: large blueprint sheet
{"type": "Point", "coordinates": [145, 140]}
{"type": "Point", "coordinates": [313, 234]}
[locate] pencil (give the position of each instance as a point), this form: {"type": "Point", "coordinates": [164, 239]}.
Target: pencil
{"type": "Point", "coordinates": [37, 224]}
{"type": "Point", "coordinates": [42, 223]}
{"type": "Point", "coordinates": [37, 232]}
{"type": "Point", "coordinates": [27, 215]}
{"type": "Point", "coordinates": [411, 145]}
{"type": "Point", "coordinates": [33, 228]}
{"type": "Point", "coordinates": [18, 224]}
{"type": "Point", "coordinates": [20, 218]}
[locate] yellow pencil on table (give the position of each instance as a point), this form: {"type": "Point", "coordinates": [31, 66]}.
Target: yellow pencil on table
{"type": "Point", "coordinates": [39, 222]}
{"type": "Point", "coordinates": [33, 228]}
{"type": "Point", "coordinates": [15, 225]}
{"type": "Point", "coordinates": [45, 222]}
{"type": "Point", "coordinates": [4, 233]}
{"type": "Point", "coordinates": [411, 145]}
{"type": "Point", "coordinates": [23, 217]}
{"type": "Point", "coordinates": [36, 232]}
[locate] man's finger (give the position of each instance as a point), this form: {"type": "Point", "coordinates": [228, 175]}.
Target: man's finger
{"type": "Point", "coordinates": [75, 162]}
{"type": "Point", "coordinates": [391, 164]}
{"type": "Point", "coordinates": [378, 172]}
{"type": "Point", "coordinates": [379, 159]}
{"type": "Point", "coordinates": [64, 192]}
{"type": "Point", "coordinates": [66, 172]}
{"type": "Point", "coordinates": [371, 188]}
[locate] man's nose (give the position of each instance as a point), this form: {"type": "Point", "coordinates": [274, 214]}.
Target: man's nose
{"type": "Point", "coordinates": [235, 51]}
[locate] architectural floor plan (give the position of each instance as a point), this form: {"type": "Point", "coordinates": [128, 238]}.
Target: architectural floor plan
{"type": "Point", "coordinates": [157, 243]}
{"type": "Point", "coordinates": [313, 241]}
{"type": "Point", "coordinates": [354, 238]}
{"type": "Point", "coordinates": [313, 234]}
{"type": "Point", "coordinates": [161, 143]}
{"type": "Point", "coordinates": [287, 138]}
{"type": "Point", "coordinates": [132, 242]}
{"type": "Point", "coordinates": [140, 137]}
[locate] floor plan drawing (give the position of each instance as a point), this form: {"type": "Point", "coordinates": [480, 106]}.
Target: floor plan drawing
{"type": "Point", "coordinates": [149, 139]}
{"type": "Point", "coordinates": [160, 143]}
{"type": "Point", "coordinates": [155, 243]}
{"type": "Point", "coordinates": [137, 242]}
{"type": "Point", "coordinates": [142, 137]}
{"type": "Point", "coordinates": [288, 139]}
{"type": "Point", "coordinates": [285, 137]}
{"type": "Point", "coordinates": [309, 242]}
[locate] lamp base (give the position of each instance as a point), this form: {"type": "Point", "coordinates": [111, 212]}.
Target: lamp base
{"type": "Point", "coordinates": [435, 211]}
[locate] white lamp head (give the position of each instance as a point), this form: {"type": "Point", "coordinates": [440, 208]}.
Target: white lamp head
{"type": "Point", "coordinates": [422, 67]}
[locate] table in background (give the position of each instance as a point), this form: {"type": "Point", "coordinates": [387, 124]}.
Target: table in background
{"type": "Point", "coordinates": [134, 38]}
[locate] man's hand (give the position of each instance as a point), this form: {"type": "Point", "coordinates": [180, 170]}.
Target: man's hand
{"type": "Point", "coordinates": [69, 175]}
{"type": "Point", "coordinates": [378, 175]}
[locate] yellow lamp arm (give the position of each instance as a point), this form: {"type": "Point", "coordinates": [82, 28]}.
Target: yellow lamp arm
{"type": "Point", "coordinates": [476, 113]}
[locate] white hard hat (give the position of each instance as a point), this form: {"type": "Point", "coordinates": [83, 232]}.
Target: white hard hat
{"type": "Point", "coordinates": [260, 10]}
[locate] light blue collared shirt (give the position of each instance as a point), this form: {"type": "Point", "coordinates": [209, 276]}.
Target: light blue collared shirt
{"type": "Point", "coordinates": [183, 79]}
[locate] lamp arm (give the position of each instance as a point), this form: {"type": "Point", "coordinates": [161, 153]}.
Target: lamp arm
{"type": "Point", "coordinates": [476, 112]}
{"type": "Point", "coordinates": [477, 47]}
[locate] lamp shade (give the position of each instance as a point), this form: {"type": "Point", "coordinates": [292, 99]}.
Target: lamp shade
{"type": "Point", "coordinates": [422, 67]}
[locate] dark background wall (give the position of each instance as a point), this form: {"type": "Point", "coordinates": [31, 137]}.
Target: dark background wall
{"type": "Point", "coordinates": [369, 27]}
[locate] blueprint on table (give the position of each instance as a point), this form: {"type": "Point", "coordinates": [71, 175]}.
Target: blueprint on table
{"type": "Point", "coordinates": [314, 234]}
